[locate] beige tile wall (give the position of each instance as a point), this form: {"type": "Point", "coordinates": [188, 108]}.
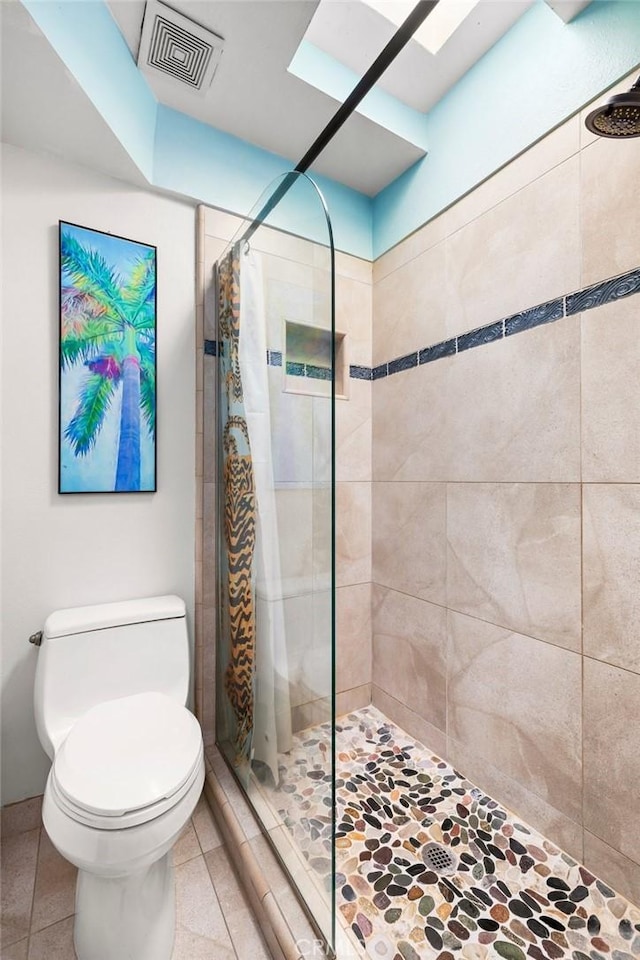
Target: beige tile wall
{"type": "Point", "coordinates": [506, 498]}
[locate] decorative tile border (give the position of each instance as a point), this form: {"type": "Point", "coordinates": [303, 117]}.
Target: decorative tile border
{"type": "Point", "coordinates": [274, 359]}
{"type": "Point", "coordinates": [597, 295]}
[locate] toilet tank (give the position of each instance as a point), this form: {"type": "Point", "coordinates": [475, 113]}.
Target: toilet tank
{"type": "Point", "coordinates": [92, 654]}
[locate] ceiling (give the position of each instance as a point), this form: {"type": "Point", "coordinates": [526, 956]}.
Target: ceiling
{"type": "Point", "coordinates": [253, 95]}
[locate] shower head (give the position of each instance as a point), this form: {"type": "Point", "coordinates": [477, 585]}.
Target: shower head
{"type": "Point", "coordinates": [619, 117]}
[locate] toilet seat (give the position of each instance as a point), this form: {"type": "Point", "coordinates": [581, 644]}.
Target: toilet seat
{"type": "Point", "coordinates": [127, 761]}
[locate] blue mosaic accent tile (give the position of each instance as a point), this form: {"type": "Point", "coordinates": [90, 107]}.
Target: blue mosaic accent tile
{"type": "Point", "coordinates": [380, 371]}
{"type": "Point", "coordinates": [275, 358]}
{"type": "Point", "coordinates": [360, 373]}
{"type": "Point", "coordinates": [295, 369]}
{"type": "Point", "coordinates": [318, 373]}
{"type": "Point", "coordinates": [605, 292]}
{"type": "Point", "coordinates": [528, 319]}
{"type": "Point", "coordinates": [445, 349]}
{"type": "Point", "coordinates": [475, 338]}
{"type": "Point", "coordinates": [210, 348]}
{"type": "Point", "coordinates": [403, 363]}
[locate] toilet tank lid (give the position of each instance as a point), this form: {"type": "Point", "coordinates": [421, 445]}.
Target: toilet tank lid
{"type": "Point", "coordinates": [64, 623]}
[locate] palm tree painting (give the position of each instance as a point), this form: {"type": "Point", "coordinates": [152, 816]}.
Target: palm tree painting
{"type": "Point", "coordinates": [107, 362]}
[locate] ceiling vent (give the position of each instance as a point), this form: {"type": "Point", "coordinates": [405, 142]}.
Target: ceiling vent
{"type": "Point", "coordinates": [178, 47]}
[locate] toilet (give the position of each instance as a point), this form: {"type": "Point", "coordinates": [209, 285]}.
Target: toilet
{"type": "Point", "coordinates": [127, 766]}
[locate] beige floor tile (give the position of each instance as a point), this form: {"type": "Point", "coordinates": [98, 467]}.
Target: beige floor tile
{"type": "Point", "coordinates": [187, 846]}
{"type": "Point", "coordinates": [611, 756]}
{"type": "Point", "coordinates": [53, 943]}
{"type": "Point", "coordinates": [201, 933]}
{"type": "Point", "coordinates": [225, 882]}
{"type": "Point", "coordinates": [21, 817]}
{"type": "Point", "coordinates": [245, 933]}
{"type": "Point", "coordinates": [205, 826]}
{"type": "Point", "coordinates": [246, 936]}
{"type": "Point", "coordinates": [15, 951]}
{"type": "Point", "coordinates": [55, 891]}
{"type": "Point", "coordinates": [18, 867]}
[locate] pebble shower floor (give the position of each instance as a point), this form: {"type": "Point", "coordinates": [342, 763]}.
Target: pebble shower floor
{"type": "Point", "coordinates": [513, 893]}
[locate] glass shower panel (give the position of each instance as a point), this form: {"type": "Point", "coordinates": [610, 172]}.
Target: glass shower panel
{"type": "Point", "coordinates": [275, 642]}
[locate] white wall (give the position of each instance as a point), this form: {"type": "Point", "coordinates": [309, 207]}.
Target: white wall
{"type": "Point", "coordinates": [60, 551]}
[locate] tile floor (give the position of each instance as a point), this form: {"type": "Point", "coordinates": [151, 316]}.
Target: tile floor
{"type": "Point", "coordinates": [510, 893]}
{"type": "Point", "coordinates": [214, 920]}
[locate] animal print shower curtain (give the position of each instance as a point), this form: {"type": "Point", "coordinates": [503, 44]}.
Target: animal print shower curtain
{"type": "Point", "coordinates": [257, 673]}
{"type": "Point", "coordinates": [239, 516]}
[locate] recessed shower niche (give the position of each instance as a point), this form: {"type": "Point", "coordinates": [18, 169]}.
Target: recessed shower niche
{"type": "Point", "coordinates": [308, 360]}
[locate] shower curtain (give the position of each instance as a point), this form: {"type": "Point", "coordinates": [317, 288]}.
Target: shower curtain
{"type": "Point", "coordinates": [256, 679]}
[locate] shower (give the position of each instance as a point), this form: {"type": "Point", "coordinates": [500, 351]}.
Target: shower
{"type": "Point", "coordinates": [619, 117]}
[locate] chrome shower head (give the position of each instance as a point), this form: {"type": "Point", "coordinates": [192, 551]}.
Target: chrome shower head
{"type": "Point", "coordinates": [619, 117]}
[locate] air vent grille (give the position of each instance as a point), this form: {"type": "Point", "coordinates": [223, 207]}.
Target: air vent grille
{"type": "Point", "coordinates": [178, 47]}
{"type": "Point", "coordinates": [179, 53]}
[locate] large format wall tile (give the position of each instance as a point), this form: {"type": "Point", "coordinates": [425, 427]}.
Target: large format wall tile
{"type": "Point", "coordinates": [611, 756]}
{"type": "Point", "coordinates": [291, 431]}
{"type": "Point", "coordinates": [513, 407]}
{"type": "Point", "coordinates": [610, 221]}
{"type": "Point", "coordinates": [411, 722]}
{"type": "Point", "coordinates": [610, 377]}
{"type": "Point", "coordinates": [353, 435]}
{"type": "Point", "coordinates": [516, 702]}
{"type": "Point", "coordinates": [567, 833]}
{"type": "Point", "coordinates": [513, 557]}
{"type": "Point", "coordinates": [295, 503]}
{"type": "Point", "coordinates": [611, 547]}
{"type": "Point", "coordinates": [410, 306]}
{"type": "Point", "coordinates": [604, 861]}
{"type": "Point", "coordinates": [353, 533]}
{"type": "Point", "coordinates": [353, 317]}
{"type": "Point", "coordinates": [409, 644]}
{"type": "Point", "coordinates": [353, 636]}
{"type": "Point", "coordinates": [521, 252]}
{"type": "Point", "coordinates": [410, 438]}
{"type": "Point", "coordinates": [409, 538]}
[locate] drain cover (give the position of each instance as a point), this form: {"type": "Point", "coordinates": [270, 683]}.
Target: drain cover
{"type": "Point", "coordinates": [439, 859]}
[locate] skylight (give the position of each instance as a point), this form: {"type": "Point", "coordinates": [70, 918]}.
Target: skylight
{"type": "Point", "coordinates": [442, 22]}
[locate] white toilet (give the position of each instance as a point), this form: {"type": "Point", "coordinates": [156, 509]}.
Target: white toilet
{"type": "Point", "coordinates": [128, 766]}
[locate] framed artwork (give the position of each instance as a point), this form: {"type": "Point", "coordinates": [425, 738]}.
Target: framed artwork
{"type": "Point", "coordinates": [107, 397]}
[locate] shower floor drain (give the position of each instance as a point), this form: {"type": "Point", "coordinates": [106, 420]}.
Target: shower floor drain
{"type": "Point", "coordinates": [439, 859]}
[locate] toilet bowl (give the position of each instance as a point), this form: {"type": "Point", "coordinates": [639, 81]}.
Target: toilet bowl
{"type": "Point", "coordinates": [127, 770]}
